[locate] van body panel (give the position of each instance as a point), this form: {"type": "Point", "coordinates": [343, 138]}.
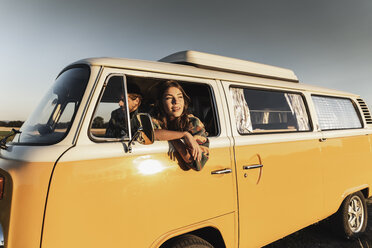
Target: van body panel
{"type": "Point", "coordinates": [285, 195]}
{"type": "Point", "coordinates": [34, 154]}
{"type": "Point", "coordinates": [22, 214]}
{"type": "Point", "coordinates": [226, 225]}
{"type": "Point", "coordinates": [344, 158]}
{"type": "Point", "coordinates": [115, 199]}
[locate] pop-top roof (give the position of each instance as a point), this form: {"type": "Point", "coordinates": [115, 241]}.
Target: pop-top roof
{"type": "Point", "coordinates": [221, 63]}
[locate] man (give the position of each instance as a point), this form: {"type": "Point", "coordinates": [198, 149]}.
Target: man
{"type": "Point", "coordinates": [117, 126]}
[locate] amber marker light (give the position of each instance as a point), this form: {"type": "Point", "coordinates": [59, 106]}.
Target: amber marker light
{"type": "Point", "coordinates": [1, 187]}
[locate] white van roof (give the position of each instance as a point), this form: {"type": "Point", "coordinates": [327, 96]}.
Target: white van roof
{"type": "Point", "coordinates": [227, 64]}
{"type": "Point", "coordinates": [187, 70]}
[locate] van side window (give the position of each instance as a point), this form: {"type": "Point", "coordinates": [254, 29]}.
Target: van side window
{"type": "Point", "coordinates": [202, 105]}
{"type": "Point", "coordinates": [110, 119]}
{"type": "Point", "coordinates": [201, 96]}
{"type": "Point", "coordinates": [262, 111]}
{"type": "Point", "coordinates": [336, 113]}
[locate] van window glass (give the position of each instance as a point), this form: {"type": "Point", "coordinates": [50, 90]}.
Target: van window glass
{"type": "Point", "coordinates": [202, 105]}
{"type": "Point", "coordinates": [110, 119]}
{"type": "Point", "coordinates": [52, 119]}
{"type": "Point", "coordinates": [336, 113]}
{"type": "Point", "coordinates": [261, 111]}
{"type": "Point", "coordinates": [201, 96]}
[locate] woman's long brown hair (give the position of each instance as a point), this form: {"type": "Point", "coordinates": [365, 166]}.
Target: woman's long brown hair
{"type": "Point", "coordinates": [181, 123]}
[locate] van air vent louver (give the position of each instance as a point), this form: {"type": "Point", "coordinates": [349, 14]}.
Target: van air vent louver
{"type": "Point", "coordinates": [366, 113]}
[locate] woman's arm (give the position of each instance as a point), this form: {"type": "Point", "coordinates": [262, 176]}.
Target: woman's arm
{"type": "Point", "coordinates": [164, 134]}
{"type": "Point", "coordinates": [182, 150]}
{"type": "Point", "coordinates": [188, 151]}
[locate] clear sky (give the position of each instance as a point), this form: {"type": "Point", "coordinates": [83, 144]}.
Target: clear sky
{"type": "Point", "coordinates": [326, 42]}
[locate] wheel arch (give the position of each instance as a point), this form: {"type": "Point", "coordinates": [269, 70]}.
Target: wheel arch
{"type": "Point", "coordinates": [208, 233]}
{"type": "Point", "coordinates": [362, 188]}
{"type": "Point", "coordinates": [365, 192]}
{"type": "Point", "coordinates": [212, 235]}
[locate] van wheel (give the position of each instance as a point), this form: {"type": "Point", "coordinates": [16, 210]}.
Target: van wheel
{"type": "Point", "coordinates": [352, 217]}
{"type": "Point", "coordinates": [188, 241]}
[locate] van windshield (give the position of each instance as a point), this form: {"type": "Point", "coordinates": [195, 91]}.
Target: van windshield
{"type": "Point", "coordinates": [53, 117]}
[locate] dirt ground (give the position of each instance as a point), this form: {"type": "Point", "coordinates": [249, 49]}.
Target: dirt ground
{"type": "Point", "coordinates": [319, 236]}
{"type": "Point", "coordinates": [8, 129]}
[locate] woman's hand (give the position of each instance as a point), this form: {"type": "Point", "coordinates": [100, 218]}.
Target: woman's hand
{"type": "Point", "coordinates": [193, 146]}
{"type": "Point", "coordinates": [190, 149]}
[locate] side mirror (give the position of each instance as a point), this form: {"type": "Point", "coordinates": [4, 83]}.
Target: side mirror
{"type": "Point", "coordinates": [146, 136]}
{"type": "Point", "coordinates": [145, 133]}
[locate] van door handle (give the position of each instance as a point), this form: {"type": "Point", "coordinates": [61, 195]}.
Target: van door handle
{"type": "Point", "coordinates": [253, 166]}
{"type": "Point", "coordinates": [223, 171]}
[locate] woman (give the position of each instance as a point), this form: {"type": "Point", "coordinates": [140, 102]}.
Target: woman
{"type": "Point", "coordinates": [174, 123]}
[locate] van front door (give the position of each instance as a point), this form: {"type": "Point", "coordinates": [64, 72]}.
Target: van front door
{"type": "Point", "coordinates": [102, 195]}
{"type": "Point", "coordinates": [279, 174]}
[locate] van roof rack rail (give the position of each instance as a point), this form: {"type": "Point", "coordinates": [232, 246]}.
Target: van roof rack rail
{"type": "Point", "coordinates": [232, 65]}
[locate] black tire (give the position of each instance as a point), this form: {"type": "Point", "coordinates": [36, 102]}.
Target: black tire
{"type": "Point", "coordinates": [352, 217]}
{"type": "Point", "coordinates": [188, 241]}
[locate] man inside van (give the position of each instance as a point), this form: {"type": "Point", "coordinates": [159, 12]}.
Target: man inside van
{"type": "Point", "coordinates": [117, 126]}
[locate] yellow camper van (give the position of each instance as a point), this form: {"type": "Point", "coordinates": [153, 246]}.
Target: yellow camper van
{"type": "Point", "coordinates": [282, 156]}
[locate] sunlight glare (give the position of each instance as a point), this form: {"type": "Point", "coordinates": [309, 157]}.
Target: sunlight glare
{"type": "Point", "coordinates": [150, 167]}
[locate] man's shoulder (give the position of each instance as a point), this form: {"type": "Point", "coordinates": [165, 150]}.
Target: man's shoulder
{"type": "Point", "coordinates": [117, 111]}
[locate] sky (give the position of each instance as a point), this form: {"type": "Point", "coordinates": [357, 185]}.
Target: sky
{"type": "Point", "coordinates": [326, 43]}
